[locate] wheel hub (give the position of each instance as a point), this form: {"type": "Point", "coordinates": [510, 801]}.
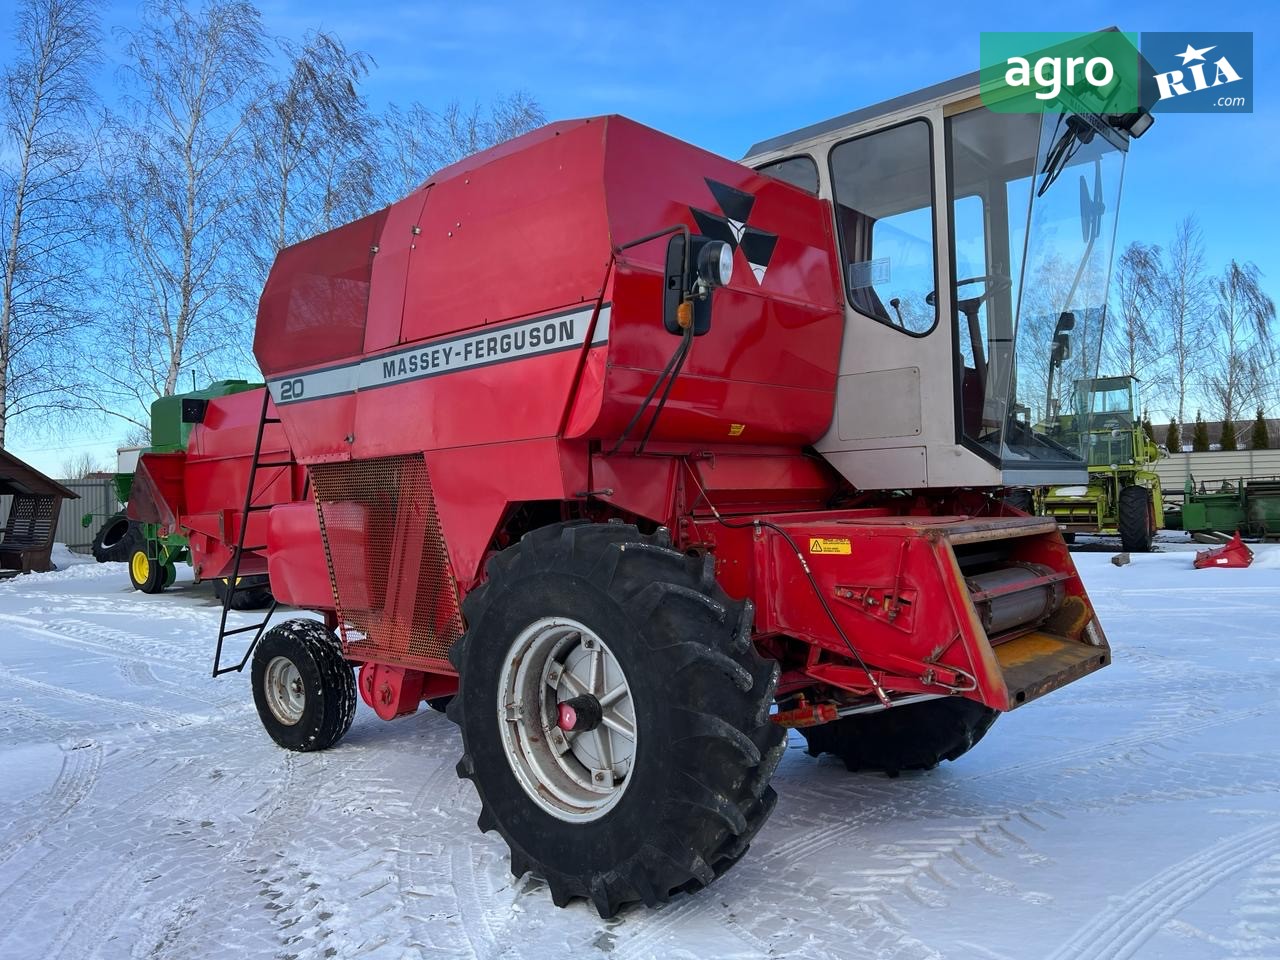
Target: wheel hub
{"type": "Point", "coordinates": [285, 693]}
{"type": "Point", "coordinates": [579, 714]}
{"type": "Point", "coordinates": [566, 718]}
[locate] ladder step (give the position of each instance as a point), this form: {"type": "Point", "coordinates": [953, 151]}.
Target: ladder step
{"type": "Point", "coordinates": [255, 626]}
{"type": "Point", "coordinates": [240, 549]}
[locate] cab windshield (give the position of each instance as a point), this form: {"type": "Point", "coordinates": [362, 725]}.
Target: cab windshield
{"type": "Point", "coordinates": [1033, 203]}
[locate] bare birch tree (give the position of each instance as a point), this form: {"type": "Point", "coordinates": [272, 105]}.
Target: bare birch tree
{"type": "Point", "coordinates": [175, 167]}
{"type": "Point", "coordinates": [46, 203]}
{"type": "Point", "coordinates": [1184, 301]}
{"type": "Point", "coordinates": [420, 141]}
{"type": "Point", "coordinates": [1241, 351]}
{"type": "Point", "coordinates": [312, 133]}
{"type": "Point", "coordinates": [1137, 284]}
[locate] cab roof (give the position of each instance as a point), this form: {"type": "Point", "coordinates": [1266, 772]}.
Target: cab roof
{"type": "Point", "coordinates": [904, 102]}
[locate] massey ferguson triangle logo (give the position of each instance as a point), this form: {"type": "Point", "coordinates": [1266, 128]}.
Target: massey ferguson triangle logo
{"type": "Point", "coordinates": [756, 245]}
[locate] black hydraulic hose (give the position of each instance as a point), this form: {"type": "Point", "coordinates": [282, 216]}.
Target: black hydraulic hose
{"type": "Point", "coordinates": [677, 358]}
{"type": "Point", "coordinates": [681, 355]}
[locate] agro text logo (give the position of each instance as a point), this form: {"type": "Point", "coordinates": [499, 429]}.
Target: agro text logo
{"type": "Point", "coordinates": [1059, 72]}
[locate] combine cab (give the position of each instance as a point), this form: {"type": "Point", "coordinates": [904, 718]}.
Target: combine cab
{"type": "Point", "coordinates": [1123, 493]}
{"type": "Point", "coordinates": [639, 457]}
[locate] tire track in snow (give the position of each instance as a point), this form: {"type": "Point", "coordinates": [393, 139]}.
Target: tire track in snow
{"type": "Point", "coordinates": [28, 897]}
{"type": "Point", "coordinates": [1123, 927]}
{"type": "Point", "coordinates": [80, 635]}
{"type": "Point", "coordinates": [167, 718]}
{"type": "Point", "coordinates": [76, 779]}
{"type": "Point", "coordinates": [925, 873]}
{"type": "Point", "coordinates": [292, 784]}
{"type": "Point", "coordinates": [840, 830]}
{"type": "Point", "coordinates": [97, 915]}
{"type": "Point", "coordinates": [443, 813]}
{"type": "Point", "coordinates": [1258, 908]}
{"type": "Point", "coordinates": [477, 906]}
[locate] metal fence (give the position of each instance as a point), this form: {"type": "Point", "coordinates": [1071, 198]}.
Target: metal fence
{"type": "Point", "coordinates": [1214, 467]}
{"type": "Point", "coordinates": [96, 496]}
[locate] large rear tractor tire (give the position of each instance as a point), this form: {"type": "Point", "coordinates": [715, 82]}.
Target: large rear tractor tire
{"type": "Point", "coordinates": [148, 574]}
{"type": "Point", "coordinates": [304, 689]}
{"type": "Point", "coordinates": [251, 593]}
{"type": "Point", "coordinates": [614, 715]}
{"type": "Point", "coordinates": [1136, 520]}
{"type": "Point", "coordinates": [115, 539]}
{"type": "Point", "coordinates": [915, 736]}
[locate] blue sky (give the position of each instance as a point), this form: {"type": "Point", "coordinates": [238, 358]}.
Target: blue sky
{"type": "Point", "coordinates": [726, 75]}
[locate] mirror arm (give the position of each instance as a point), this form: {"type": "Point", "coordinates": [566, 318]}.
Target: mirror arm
{"type": "Point", "coordinates": [674, 228]}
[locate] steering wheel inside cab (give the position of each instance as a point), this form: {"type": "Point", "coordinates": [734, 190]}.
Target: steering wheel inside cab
{"type": "Point", "coordinates": [993, 283]}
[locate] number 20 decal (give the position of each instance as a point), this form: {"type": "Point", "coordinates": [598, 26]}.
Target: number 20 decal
{"type": "Point", "coordinates": [292, 389]}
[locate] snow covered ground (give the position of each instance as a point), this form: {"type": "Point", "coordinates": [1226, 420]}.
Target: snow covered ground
{"type": "Point", "coordinates": [144, 814]}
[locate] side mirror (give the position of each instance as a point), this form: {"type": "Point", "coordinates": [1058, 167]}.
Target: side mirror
{"type": "Point", "coordinates": [710, 266]}
{"type": "Point", "coordinates": [1061, 348]}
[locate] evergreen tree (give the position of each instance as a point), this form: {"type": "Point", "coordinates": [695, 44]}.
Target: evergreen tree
{"type": "Point", "coordinates": [1229, 435]}
{"type": "Point", "coordinates": [1147, 426]}
{"type": "Point", "coordinates": [1200, 435]}
{"type": "Point", "coordinates": [1259, 438]}
{"type": "Point", "coordinates": [1173, 439]}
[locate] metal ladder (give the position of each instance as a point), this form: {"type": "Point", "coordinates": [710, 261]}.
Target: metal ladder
{"type": "Point", "coordinates": [232, 587]}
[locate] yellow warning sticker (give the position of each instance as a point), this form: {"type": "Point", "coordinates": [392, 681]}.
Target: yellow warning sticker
{"type": "Point", "coordinates": [735, 429]}
{"type": "Point", "coordinates": [830, 545]}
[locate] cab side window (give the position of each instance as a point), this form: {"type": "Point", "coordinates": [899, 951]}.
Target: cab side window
{"type": "Point", "coordinates": [883, 188]}
{"type": "Point", "coordinates": [800, 172]}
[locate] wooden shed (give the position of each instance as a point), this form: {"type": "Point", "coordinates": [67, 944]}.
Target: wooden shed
{"type": "Point", "coordinates": [26, 540]}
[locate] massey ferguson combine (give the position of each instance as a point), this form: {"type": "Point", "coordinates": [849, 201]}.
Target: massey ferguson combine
{"type": "Point", "coordinates": [642, 457]}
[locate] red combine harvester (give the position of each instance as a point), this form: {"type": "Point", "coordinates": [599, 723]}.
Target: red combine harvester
{"type": "Point", "coordinates": [643, 456]}
{"type": "Point", "coordinates": [216, 493]}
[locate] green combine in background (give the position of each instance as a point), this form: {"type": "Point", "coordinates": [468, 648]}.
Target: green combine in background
{"type": "Point", "coordinates": [1123, 493]}
{"type": "Point", "coordinates": [1249, 506]}
{"type": "Point", "coordinates": [150, 556]}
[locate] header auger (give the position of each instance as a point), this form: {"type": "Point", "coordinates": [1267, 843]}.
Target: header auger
{"type": "Point", "coordinates": [615, 446]}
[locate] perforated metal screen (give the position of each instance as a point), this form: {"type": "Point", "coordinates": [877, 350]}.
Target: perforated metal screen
{"type": "Point", "coordinates": [396, 597]}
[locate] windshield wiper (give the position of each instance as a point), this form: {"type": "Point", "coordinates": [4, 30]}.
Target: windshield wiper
{"type": "Point", "coordinates": [1063, 151]}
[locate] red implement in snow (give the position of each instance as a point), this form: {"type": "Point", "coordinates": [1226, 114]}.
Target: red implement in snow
{"type": "Point", "coordinates": [1233, 553]}
{"type": "Point", "coordinates": [614, 446]}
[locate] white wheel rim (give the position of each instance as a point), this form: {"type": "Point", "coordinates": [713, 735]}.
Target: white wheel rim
{"type": "Point", "coordinates": [580, 775]}
{"type": "Point", "coordinates": [286, 694]}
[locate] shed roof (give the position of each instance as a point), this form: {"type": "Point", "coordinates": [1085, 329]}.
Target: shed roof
{"type": "Point", "coordinates": [17, 477]}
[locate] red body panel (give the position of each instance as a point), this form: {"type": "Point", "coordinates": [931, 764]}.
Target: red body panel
{"type": "Point", "coordinates": [295, 556]}
{"type": "Point", "coordinates": [529, 233]}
